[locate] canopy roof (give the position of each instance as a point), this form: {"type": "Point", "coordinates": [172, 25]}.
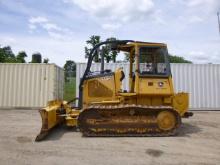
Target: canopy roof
{"type": "Point", "coordinates": [127, 47]}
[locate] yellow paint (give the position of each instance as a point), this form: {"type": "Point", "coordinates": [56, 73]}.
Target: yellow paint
{"type": "Point", "coordinates": [166, 120]}
{"type": "Point", "coordinates": [99, 89]}
{"type": "Point", "coordinates": [128, 94]}
{"type": "Point", "coordinates": [106, 90]}
{"type": "Point", "coordinates": [48, 114]}
{"type": "Point", "coordinates": [70, 121]}
{"type": "Point", "coordinates": [181, 102]}
{"type": "Point", "coordinates": [151, 86]}
{"type": "Point", "coordinates": [107, 102]}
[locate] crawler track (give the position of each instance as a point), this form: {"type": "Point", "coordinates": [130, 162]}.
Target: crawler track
{"type": "Point", "coordinates": [129, 120]}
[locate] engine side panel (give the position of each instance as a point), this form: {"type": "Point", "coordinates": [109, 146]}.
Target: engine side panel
{"type": "Point", "coordinates": [99, 89]}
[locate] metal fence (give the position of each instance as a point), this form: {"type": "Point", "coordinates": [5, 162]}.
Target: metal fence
{"type": "Point", "coordinates": [202, 81]}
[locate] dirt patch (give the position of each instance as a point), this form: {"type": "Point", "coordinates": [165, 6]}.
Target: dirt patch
{"type": "Point", "coordinates": [154, 153]}
{"type": "Point", "coordinates": [23, 139]}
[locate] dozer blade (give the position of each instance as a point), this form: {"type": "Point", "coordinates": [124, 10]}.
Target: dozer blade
{"type": "Point", "coordinates": [50, 118]}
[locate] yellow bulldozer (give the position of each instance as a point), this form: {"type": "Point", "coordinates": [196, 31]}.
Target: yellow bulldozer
{"type": "Point", "coordinates": [149, 108]}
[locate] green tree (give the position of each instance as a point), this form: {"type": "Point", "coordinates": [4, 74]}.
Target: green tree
{"type": "Point", "coordinates": [7, 55]}
{"type": "Point", "coordinates": [172, 59]}
{"type": "Point", "coordinates": [2, 55]}
{"type": "Point", "coordinates": [46, 60]}
{"type": "Point", "coordinates": [127, 56]}
{"type": "Point", "coordinates": [178, 59]}
{"type": "Point", "coordinates": [20, 58]}
{"type": "Point", "coordinates": [93, 40]}
{"type": "Point", "coordinates": [105, 51]}
{"type": "Point", "coordinates": [70, 69]}
{"type": "Point", "coordinates": [110, 54]}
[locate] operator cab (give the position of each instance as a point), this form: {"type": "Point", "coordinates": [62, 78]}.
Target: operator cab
{"type": "Point", "coordinates": [152, 70]}
{"type": "Point", "coordinates": [147, 61]}
{"type": "Point", "coordinates": [153, 61]}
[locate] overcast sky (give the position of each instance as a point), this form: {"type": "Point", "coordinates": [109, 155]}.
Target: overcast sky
{"type": "Point", "coordinates": [58, 29]}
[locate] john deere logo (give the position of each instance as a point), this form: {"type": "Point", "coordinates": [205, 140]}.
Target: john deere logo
{"type": "Point", "coordinates": [160, 84]}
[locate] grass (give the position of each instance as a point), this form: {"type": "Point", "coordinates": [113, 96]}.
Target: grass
{"type": "Point", "coordinates": [70, 89]}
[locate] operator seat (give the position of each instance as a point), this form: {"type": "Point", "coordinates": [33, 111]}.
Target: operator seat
{"type": "Point", "coordinates": [119, 77]}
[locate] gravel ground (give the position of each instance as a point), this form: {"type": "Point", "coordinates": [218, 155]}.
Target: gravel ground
{"type": "Point", "coordinates": [198, 142]}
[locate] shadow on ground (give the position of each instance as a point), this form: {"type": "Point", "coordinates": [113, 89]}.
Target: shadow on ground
{"type": "Point", "coordinates": [57, 132]}
{"type": "Point", "coordinates": [187, 129]}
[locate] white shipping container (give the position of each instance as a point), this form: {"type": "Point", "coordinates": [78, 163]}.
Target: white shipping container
{"type": "Point", "coordinates": [201, 81]}
{"type": "Point", "coordinates": [30, 85]}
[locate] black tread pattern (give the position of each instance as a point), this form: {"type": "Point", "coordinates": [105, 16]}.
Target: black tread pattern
{"type": "Point", "coordinates": [98, 111]}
